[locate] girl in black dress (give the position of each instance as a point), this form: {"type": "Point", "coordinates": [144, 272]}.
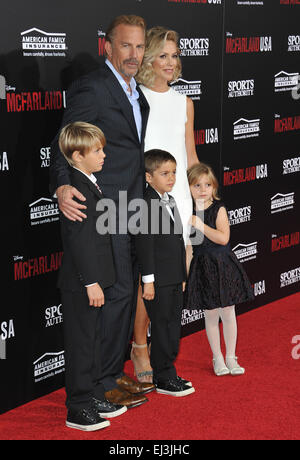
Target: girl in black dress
{"type": "Point", "coordinates": [217, 280]}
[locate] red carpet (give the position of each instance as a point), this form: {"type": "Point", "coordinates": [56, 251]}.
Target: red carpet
{"type": "Point", "coordinates": [263, 404]}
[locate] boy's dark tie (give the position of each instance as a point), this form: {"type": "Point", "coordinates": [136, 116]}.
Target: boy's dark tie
{"type": "Point", "coordinates": [97, 186]}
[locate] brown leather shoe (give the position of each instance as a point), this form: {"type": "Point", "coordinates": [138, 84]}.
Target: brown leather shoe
{"type": "Point", "coordinates": [120, 396]}
{"type": "Point", "coordinates": [133, 387]}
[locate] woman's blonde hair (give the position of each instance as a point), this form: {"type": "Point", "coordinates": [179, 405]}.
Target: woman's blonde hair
{"type": "Point", "coordinates": [79, 136]}
{"type": "Point", "coordinates": [194, 172]}
{"type": "Point", "coordinates": [155, 41]}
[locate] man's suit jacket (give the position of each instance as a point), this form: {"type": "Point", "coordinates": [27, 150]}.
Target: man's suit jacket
{"type": "Point", "coordinates": [158, 252]}
{"type": "Point", "coordinates": [87, 255]}
{"type": "Point", "coordinates": [99, 99]}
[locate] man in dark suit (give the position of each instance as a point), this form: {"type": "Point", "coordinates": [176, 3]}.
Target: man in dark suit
{"type": "Point", "coordinates": [110, 99]}
{"type": "Point", "coordinates": [161, 254]}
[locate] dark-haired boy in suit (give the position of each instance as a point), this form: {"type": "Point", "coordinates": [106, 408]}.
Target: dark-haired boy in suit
{"type": "Point", "coordinates": [161, 255]}
{"type": "Point", "coordinates": [87, 270]}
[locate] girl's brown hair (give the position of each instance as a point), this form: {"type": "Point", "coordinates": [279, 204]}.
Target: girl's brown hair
{"type": "Point", "coordinates": [198, 170]}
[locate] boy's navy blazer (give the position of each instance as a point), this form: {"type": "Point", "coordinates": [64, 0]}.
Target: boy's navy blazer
{"type": "Point", "coordinates": [161, 254]}
{"type": "Point", "coordinates": [87, 255]}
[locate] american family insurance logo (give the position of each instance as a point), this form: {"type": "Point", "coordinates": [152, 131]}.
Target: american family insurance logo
{"type": "Point", "coordinates": [285, 81]}
{"type": "Point", "coordinates": [49, 365]}
{"type": "Point", "coordinates": [245, 252]}
{"type": "Point", "coordinates": [43, 211]}
{"type": "Point", "coordinates": [188, 88]}
{"type": "Point", "coordinates": [245, 129]}
{"type": "Point", "coordinates": [239, 45]}
{"type": "Point", "coordinates": [282, 202]}
{"type": "Point", "coordinates": [250, 2]}
{"type": "Point", "coordinates": [36, 42]}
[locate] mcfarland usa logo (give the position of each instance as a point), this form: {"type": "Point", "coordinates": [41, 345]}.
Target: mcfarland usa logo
{"type": "Point", "coordinates": [35, 266]}
{"type": "Point", "coordinates": [4, 162]}
{"type": "Point", "coordinates": [245, 252]}
{"type": "Point", "coordinates": [285, 241]}
{"type": "Point", "coordinates": [194, 46]}
{"type": "Point", "coordinates": [286, 124]}
{"type": "Point", "coordinates": [290, 2]}
{"type": "Point", "coordinates": [206, 136]}
{"type": "Point", "coordinates": [249, 174]}
{"type": "Point", "coordinates": [43, 211]}
{"type": "Point", "coordinates": [239, 45]}
{"type": "Point", "coordinates": [101, 43]}
{"type": "Point", "coordinates": [282, 202]}
{"type": "Point", "coordinates": [285, 81]}
{"type": "Point", "coordinates": [188, 88]}
{"type": "Point", "coordinates": [245, 129]}
{"type": "Point", "coordinates": [36, 42]}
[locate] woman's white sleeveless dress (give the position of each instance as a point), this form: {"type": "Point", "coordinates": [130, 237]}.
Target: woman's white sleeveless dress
{"type": "Point", "coordinates": [166, 131]}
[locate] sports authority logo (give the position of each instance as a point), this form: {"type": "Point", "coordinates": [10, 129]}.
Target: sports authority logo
{"type": "Point", "coordinates": [245, 129]}
{"type": "Point", "coordinates": [240, 88]}
{"type": "Point", "coordinates": [48, 365]}
{"type": "Point", "coordinates": [245, 252]}
{"type": "Point", "coordinates": [36, 42]}
{"type": "Point", "coordinates": [290, 277]}
{"type": "Point", "coordinates": [189, 316]}
{"type": "Point", "coordinates": [291, 165]}
{"type": "Point", "coordinates": [285, 81]}
{"type": "Point", "coordinates": [293, 43]}
{"type": "Point", "coordinates": [194, 46]}
{"type": "Point", "coordinates": [239, 215]}
{"type": "Point", "coordinates": [285, 241]}
{"type": "Point", "coordinates": [188, 88]}
{"type": "Point", "coordinates": [36, 266]}
{"type": "Point", "coordinates": [238, 176]}
{"type": "Point", "coordinates": [282, 202]}
{"type": "Point", "coordinates": [45, 157]}
{"type": "Point", "coordinates": [206, 136]}
{"type": "Point", "coordinates": [53, 315]}
{"type": "Point", "coordinates": [43, 211]}
{"type": "Point", "coordinates": [238, 45]}
{"type": "Point", "coordinates": [286, 124]}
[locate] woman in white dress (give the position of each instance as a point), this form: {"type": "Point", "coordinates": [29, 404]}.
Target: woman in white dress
{"type": "Point", "coordinates": [170, 127]}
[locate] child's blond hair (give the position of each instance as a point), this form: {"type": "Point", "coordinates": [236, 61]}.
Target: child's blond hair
{"type": "Point", "coordinates": [79, 136]}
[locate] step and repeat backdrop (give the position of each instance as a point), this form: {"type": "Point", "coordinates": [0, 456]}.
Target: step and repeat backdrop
{"type": "Point", "coordinates": [241, 66]}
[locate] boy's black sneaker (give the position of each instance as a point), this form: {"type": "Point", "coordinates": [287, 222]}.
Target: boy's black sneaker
{"type": "Point", "coordinates": [108, 410]}
{"type": "Point", "coordinates": [186, 382]}
{"type": "Point", "coordinates": [85, 419]}
{"type": "Point", "coordinates": [174, 387]}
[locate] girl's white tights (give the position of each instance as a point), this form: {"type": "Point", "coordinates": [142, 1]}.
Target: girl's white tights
{"type": "Point", "coordinates": [228, 318]}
